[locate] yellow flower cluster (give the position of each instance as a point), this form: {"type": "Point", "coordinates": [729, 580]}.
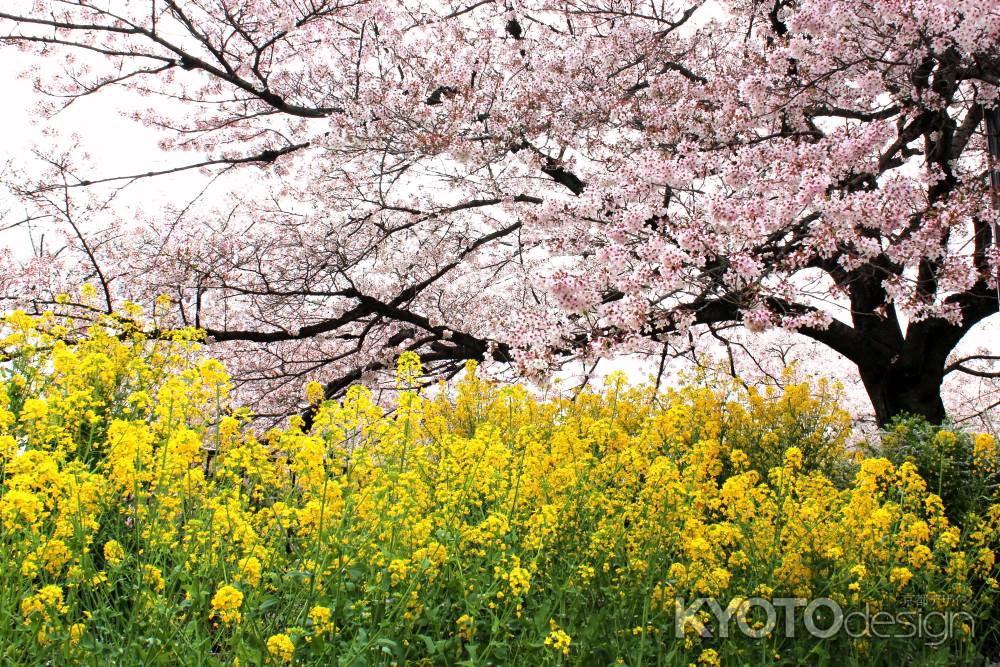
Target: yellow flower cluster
{"type": "Point", "coordinates": [558, 640]}
{"type": "Point", "coordinates": [451, 528]}
{"type": "Point", "coordinates": [48, 600]}
{"type": "Point", "coordinates": [321, 619]}
{"type": "Point", "coordinates": [113, 552]}
{"type": "Point", "coordinates": [466, 627]}
{"type": "Point", "coordinates": [280, 648]}
{"type": "Point", "coordinates": [226, 603]}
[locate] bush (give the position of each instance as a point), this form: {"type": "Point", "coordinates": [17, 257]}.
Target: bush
{"type": "Point", "coordinates": [960, 467]}
{"type": "Point", "coordinates": [145, 522]}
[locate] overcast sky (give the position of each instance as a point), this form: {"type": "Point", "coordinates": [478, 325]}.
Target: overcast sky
{"type": "Point", "coordinates": [117, 145]}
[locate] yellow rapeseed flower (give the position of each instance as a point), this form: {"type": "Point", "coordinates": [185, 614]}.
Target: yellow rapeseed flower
{"type": "Point", "coordinates": [114, 554]}
{"type": "Point", "coordinates": [280, 648]}
{"type": "Point", "coordinates": [153, 577]}
{"type": "Point", "coordinates": [226, 603]}
{"type": "Point", "coordinates": [249, 571]}
{"type": "Point", "coordinates": [710, 658]}
{"type": "Point", "coordinates": [48, 600]}
{"type": "Point", "coordinates": [519, 580]}
{"type": "Point", "coordinates": [558, 640]}
{"type": "Point", "coordinates": [466, 627]}
{"type": "Point", "coordinates": [76, 633]}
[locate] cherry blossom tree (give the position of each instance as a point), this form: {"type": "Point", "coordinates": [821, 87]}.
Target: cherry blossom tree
{"type": "Point", "coordinates": [526, 181]}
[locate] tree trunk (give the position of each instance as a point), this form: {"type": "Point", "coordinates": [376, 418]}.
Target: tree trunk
{"type": "Point", "coordinates": [895, 391]}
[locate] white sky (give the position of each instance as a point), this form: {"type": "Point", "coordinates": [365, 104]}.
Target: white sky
{"type": "Point", "coordinates": [116, 145]}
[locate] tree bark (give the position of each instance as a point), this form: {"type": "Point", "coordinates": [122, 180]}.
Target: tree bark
{"type": "Point", "coordinates": [897, 390]}
{"type": "Point", "coordinates": [903, 374]}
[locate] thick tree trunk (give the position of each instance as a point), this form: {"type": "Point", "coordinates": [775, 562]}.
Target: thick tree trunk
{"type": "Point", "coordinates": [894, 391]}
{"type": "Point", "coordinates": [903, 368]}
